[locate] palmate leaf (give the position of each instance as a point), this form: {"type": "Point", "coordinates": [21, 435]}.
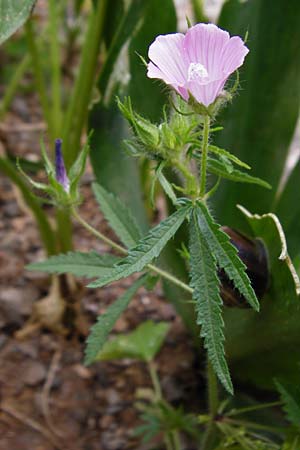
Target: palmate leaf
{"type": "Point", "coordinates": [118, 216]}
{"type": "Point", "coordinates": [290, 395]}
{"type": "Point", "coordinates": [218, 168]}
{"type": "Point", "coordinates": [226, 254]}
{"type": "Point", "coordinates": [105, 322]}
{"type": "Point", "coordinates": [81, 264]}
{"type": "Point", "coordinates": [205, 283]}
{"type": "Point", "coordinates": [146, 250]}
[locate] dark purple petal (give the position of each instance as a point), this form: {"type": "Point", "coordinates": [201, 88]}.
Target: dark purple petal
{"type": "Point", "coordinates": [60, 170]}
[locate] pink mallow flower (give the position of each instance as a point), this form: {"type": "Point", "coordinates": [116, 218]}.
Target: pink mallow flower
{"type": "Point", "coordinates": [197, 63]}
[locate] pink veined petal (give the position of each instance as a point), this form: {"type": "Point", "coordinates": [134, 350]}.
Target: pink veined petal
{"type": "Point", "coordinates": [204, 44]}
{"type": "Point", "coordinates": [233, 55]}
{"type": "Point", "coordinates": [167, 54]}
{"type": "Point", "coordinates": [206, 94]}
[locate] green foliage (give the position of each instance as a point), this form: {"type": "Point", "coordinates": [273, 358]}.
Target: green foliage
{"type": "Point", "coordinates": [89, 265]}
{"type": "Point", "coordinates": [160, 417]}
{"type": "Point", "coordinates": [13, 14]}
{"type": "Point", "coordinates": [261, 121]}
{"type": "Point", "coordinates": [205, 282]}
{"type": "Point", "coordinates": [221, 152]}
{"type": "Point", "coordinates": [118, 216]}
{"type": "Point", "coordinates": [220, 169]}
{"type": "Point", "coordinates": [290, 395]}
{"type": "Point", "coordinates": [266, 345]}
{"type": "Point", "coordinates": [225, 254]}
{"type": "Point", "coordinates": [143, 343]}
{"type": "Point", "coordinates": [146, 250]}
{"type": "Point", "coordinates": [105, 322]}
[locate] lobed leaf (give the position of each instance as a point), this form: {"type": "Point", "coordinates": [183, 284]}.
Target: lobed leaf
{"type": "Point", "coordinates": [218, 168]}
{"type": "Point", "coordinates": [226, 254]}
{"type": "Point", "coordinates": [118, 216]}
{"type": "Point", "coordinates": [205, 282]}
{"type": "Point", "coordinates": [146, 250]}
{"type": "Point", "coordinates": [81, 264]}
{"type": "Point", "coordinates": [105, 322]}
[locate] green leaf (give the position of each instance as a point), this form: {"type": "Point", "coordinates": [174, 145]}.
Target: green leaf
{"type": "Point", "coordinates": [221, 152]}
{"type": "Point", "coordinates": [13, 14]}
{"type": "Point", "coordinates": [266, 345]}
{"type": "Point", "coordinates": [226, 254]}
{"type": "Point", "coordinates": [290, 395]}
{"type": "Point", "coordinates": [118, 216]}
{"type": "Point", "coordinates": [88, 265]}
{"type": "Point", "coordinates": [146, 250]}
{"type": "Point", "coordinates": [105, 322]}
{"type": "Point", "coordinates": [218, 168]}
{"type": "Point", "coordinates": [205, 282]}
{"type": "Point", "coordinates": [261, 121]}
{"type": "Point", "coordinates": [143, 343]}
{"type": "Point", "coordinates": [165, 184]}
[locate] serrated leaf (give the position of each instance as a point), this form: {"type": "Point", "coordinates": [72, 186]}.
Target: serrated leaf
{"type": "Point", "coordinates": [143, 343]}
{"type": "Point", "coordinates": [222, 152]}
{"type": "Point", "coordinates": [105, 322]}
{"type": "Point", "coordinates": [81, 264]}
{"type": "Point", "coordinates": [13, 13]}
{"type": "Point", "coordinates": [217, 168]}
{"type": "Point", "coordinates": [205, 283]}
{"type": "Point", "coordinates": [290, 395]}
{"type": "Point", "coordinates": [226, 254]}
{"type": "Point", "coordinates": [146, 250]}
{"type": "Point", "coordinates": [118, 216]}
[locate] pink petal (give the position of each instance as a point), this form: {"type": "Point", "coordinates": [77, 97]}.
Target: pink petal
{"type": "Point", "coordinates": [233, 55]}
{"type": "Point", "coordinates": [167, 54]}
{"type": "Point", "coordinates": [206, 94]}
{"type": "Point", "coordinates": [204, 44]}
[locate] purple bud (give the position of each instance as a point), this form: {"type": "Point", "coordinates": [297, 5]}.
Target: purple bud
{"type": "Point", "coordinates": [61, 174]}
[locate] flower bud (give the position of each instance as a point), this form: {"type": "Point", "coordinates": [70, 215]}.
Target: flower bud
{"type": "Point", "coordinates": [60, 170]}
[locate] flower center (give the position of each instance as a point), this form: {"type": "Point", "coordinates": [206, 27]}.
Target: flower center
{"type": "Point", "coordinates": [197, 72]}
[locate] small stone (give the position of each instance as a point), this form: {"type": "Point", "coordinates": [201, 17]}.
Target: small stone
{"type": "Point", "coordinates": [34, 373]}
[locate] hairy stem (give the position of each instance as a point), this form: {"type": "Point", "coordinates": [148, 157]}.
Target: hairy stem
{"type": "Point", "coordinates": [204, 152]}
{"type": "Point", "coordinates": [121, 249]}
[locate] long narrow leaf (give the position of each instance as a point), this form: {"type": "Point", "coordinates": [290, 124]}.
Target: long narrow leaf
{"type": "Point", "coordinates": [89, 265]}
{"type": "Point", "coordinates": [226, 254]}
{"type": "Point", "coordinates": [106, 321]}
{"type": "Point", "coordinates": [217, 168]}
{"type": "Point", "coordinates": [205, 282]}
{"type": "Point", "coordinates": [147, 249]}
{"type": "Point", "coordinates": [118, 215]}
{"type": "Point", "coordinates": [222, 152]}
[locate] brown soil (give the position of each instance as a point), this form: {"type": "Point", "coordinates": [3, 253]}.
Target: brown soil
{"type": "Point", "coordinates": [49, 399]}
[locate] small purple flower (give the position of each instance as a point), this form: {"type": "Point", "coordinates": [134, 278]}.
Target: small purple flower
{"type": "Point", "coordinates": [197, 63]}
{"type": "Point", "coordinates": [60, 170]}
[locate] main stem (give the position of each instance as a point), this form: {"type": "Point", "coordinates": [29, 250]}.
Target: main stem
{"type": "Point", "coordinates": [206, 126]}
{"type": "Point", "coordinates": [55, 66]}
{"type": "Point", "coordinates": [121, 249]}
